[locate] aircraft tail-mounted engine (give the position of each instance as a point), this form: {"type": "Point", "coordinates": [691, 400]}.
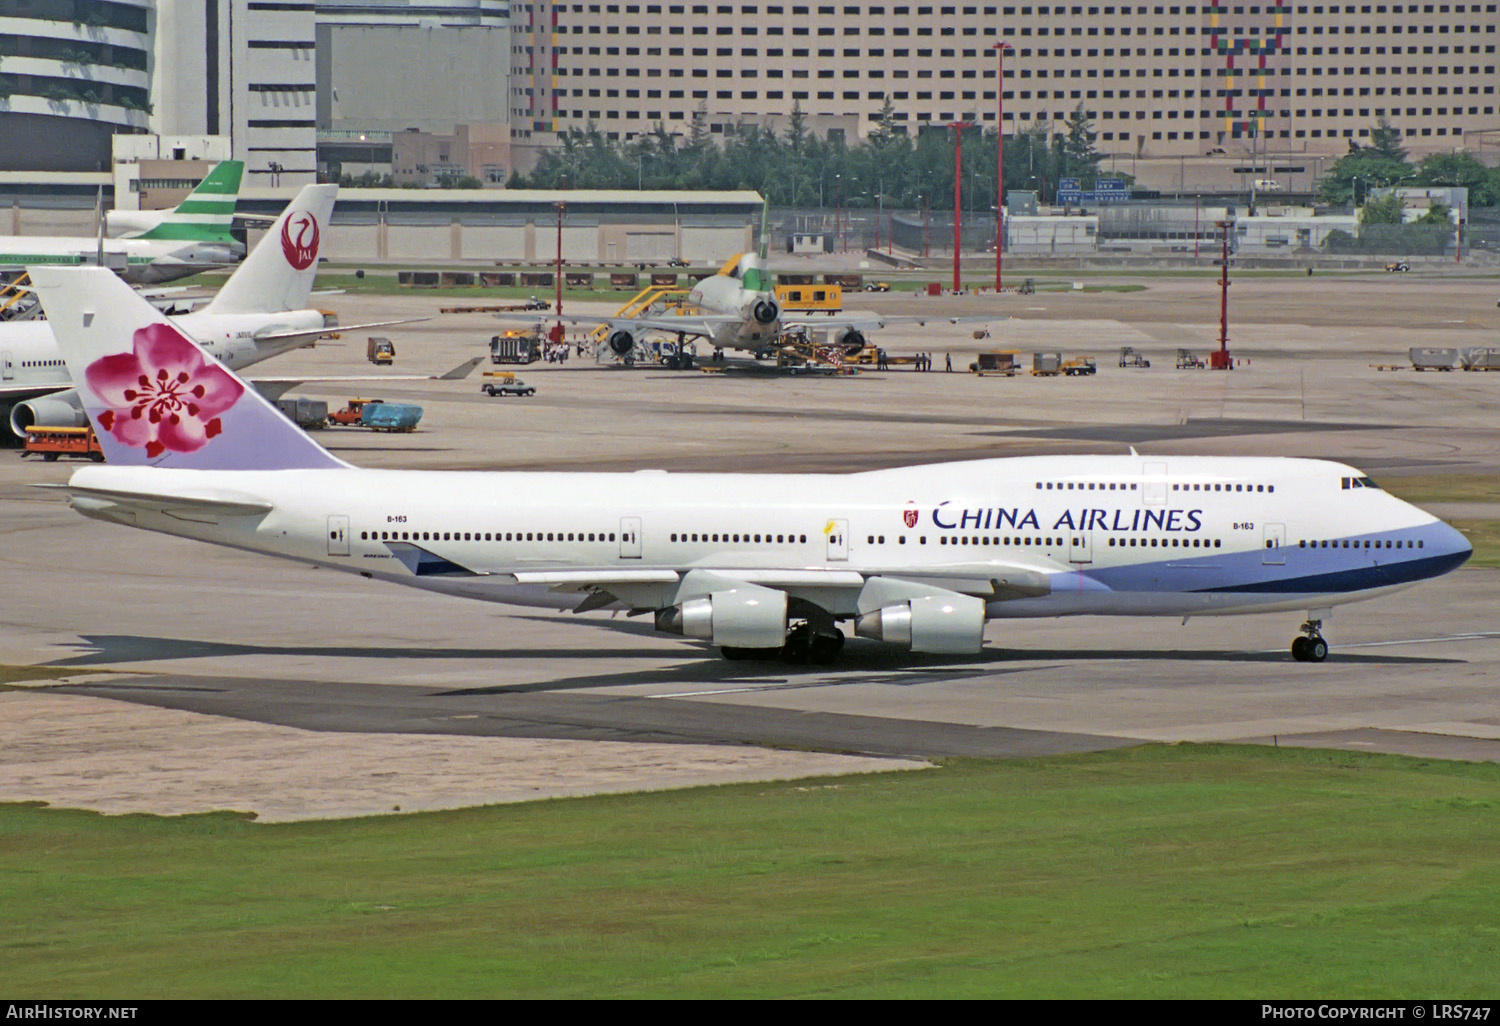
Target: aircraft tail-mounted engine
{"type": "Point", "coordinates": [621, 342]}
{"type": "Point", "coordinates": [764, 311]}
{"type": "Point", "coordinates": [949, 624]}
{"type": "Point", "coordinates": [852, 341]}
{"type": "Point", "coordinates": [61, 409]}
{"type": "Point", "coordinates": [744, 616]}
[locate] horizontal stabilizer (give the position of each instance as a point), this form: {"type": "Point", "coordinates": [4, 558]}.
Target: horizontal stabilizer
{"type": "Point", "coordinates": [208, 502]}
{"type": "Point", "coordinates": [284, 336]}
{"type": "Point", "coordinates": [275, 388]}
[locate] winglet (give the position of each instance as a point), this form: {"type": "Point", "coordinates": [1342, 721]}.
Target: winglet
{"type": "Point", "coordinates": [152, 394]}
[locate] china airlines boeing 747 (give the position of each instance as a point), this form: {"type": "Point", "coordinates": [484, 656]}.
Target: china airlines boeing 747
{"type": "Point", "coordinates": [759, 565]}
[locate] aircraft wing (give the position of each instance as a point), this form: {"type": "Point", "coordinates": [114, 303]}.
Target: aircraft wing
{"type": "Point", "coordinates": [282, 336]}
{"type": "Point", "coordinates": [12, 392]}
{"type": "Point", "coordinates": [692, 324]}
{"type": "Point", "coordinates": [275, 388]}
{"type": "Point", "coordinates": [874, 322]}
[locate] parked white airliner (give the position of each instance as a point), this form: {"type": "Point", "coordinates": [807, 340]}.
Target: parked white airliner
{"type": "Point", "coordinates": [260, 312]}
{"type": "Point", "coordinates": [759, 565]}
{"type": "Point", "coordinates": [738, 309]}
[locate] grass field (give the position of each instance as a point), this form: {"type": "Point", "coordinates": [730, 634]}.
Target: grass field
{"type": "Point", "coordinates": [1177, 871]}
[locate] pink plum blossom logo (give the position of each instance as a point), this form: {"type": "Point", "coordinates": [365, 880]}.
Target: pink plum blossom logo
{"type": "Point", "coordinates": [300, 249]}
{"type": "Point", "coordinates": [163, 395]}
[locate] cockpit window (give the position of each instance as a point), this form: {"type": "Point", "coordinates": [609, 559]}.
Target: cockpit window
{"type": "Point", "coordinates": [1359, 482]}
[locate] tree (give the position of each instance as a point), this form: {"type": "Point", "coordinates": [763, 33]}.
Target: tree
{"type": "Point", "coordinates": [1437, 213]}
{"type": "Point", "coordinates": [1079, 158]}
{"type": "Point", "coordinates": [1385, 209]}
{"type": "Point", "coordinates": [1459, 170]}
{"type": "Point", "coordinates": [1385, 139]}
{"type": "Point", "coordinates": [1350, 179]}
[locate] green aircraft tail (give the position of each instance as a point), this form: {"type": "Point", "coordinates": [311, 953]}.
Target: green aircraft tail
{"type": "Point", "coordinates": [208, 213]}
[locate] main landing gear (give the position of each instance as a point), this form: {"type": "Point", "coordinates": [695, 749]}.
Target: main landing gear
{"type": "Point", "coordinates": [803, 645]}
{"type": "Point", "coordinates": [1310, 646]}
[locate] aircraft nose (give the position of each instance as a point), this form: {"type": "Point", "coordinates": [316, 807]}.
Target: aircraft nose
{"type": "Point", "coordinates": [1452, 543]}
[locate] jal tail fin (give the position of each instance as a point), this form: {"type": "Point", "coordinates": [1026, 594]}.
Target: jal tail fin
{"type": "Point", "coordinates": [278, 274]}
{"type": "Point", "coordinates": [207, 215]}
{"type": "Point", "coordinates": [152, 394]}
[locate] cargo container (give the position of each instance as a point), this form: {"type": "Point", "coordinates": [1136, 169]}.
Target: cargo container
{"type": "Point", "coordinates": [305, 413]}
{"type": "Point", "coordinates": [1046, 364]}
{"type": "Point", "coordinates": [1001, 362]}
{"type": "Point", "coordinates": [1484, 358]}
{"type": "Point", "coordinates": [390, 416]}
{"type": "Point", "coordinates": [1432, 358]}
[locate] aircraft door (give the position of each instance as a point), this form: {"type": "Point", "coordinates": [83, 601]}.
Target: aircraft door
{"type": "Point", "coordinates": [1275, 537]}
{"type": "Point", "coordinates": [1154, 487]}
{"type": "Point", "coordinates": [338, 536]}
{"type": "Point", "coordinates": [837, 532]}
{"type": "Point", "coordinates": [630, 537]}
{"type": "Point", "coordinates": [7, 368]}
{"type": "Point", "coordinates": [1081, 546]}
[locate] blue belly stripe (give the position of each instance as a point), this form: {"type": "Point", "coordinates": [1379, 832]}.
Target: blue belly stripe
{"type": "Point", "coordinates": [1305, 570]}
{"type": "Point", "coordinates": [1356, 579]}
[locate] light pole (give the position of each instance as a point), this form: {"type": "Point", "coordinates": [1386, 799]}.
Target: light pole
{"type": "Point", "coordinates": [1000, 49]}
{"type": "Point", "coordinates": [958, 196]}
{"type": "Point", "coordinates": [838, 212]}
{"type": "Point", "coordinates": [1219, 359]}
{"type": "Point", "coordinates": [557, 332]}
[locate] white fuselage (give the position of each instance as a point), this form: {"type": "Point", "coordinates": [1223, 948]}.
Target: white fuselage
{"type": "Point", "coordinates": [138, 261]}
{"type": "Point", "coordinates": [29, 355]}
{"type": "Point", "coordinates": [725, 295]}
{"type": "Point", "coordinates": [1106, 534]}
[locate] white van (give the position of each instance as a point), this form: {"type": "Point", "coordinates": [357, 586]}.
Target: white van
{"type": "Point", "coordinates": [1267, 185]}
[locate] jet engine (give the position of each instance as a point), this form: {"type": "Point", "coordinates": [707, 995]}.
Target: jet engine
{"type": "Point", "coordinates": [950, 624]}
{"type": "Point", "coordinates": [852, 341]}
{"type": "Point", "coordinates": [59, 410]}
{"type": "Point", "coordinates": [748, 616]}
{"type": "Point", "coordinates": [763, 311]}
{"type": "Point", "coordinates": [622, 342]}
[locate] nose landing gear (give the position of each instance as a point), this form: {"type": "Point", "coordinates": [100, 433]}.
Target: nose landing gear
{"type": "Point", "coordinates": [1310, 646]}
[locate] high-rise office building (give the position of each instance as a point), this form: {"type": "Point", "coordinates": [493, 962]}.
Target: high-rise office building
{"type": "Point", "coordinates": [1156, 79]}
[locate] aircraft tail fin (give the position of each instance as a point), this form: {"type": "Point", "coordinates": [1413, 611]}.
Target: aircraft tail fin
{"type": "Point", "coordinates": [747, 268]}
{"type": "Point", "coordinates": [207, 215]}
{"type": "Point", "coordinates": [279, 272]}
{"type": "Point", "coordinates": [152, 394]}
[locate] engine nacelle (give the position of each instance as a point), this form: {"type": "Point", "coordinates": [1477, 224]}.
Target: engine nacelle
{"type": "Point", "coordinates": [746, 617]}
{"type": "Point", "coordinates": [947, 624]}
{"type": "Point", "coordinates": [51, 411]}
{"type": "Point", "coordinates": [852, 341]}
{"type": "Point", "coordinates": [763, 311]}
{"type": "Point", "coordinates": [622, 343]}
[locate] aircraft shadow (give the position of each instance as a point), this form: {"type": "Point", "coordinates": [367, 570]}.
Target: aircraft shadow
{"type": "Point", "coordinates": [861, 662]}
{"type": "Point", "coordinates": [111, 648]}
{"type": "Point", "coordinates": [872, 663]}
